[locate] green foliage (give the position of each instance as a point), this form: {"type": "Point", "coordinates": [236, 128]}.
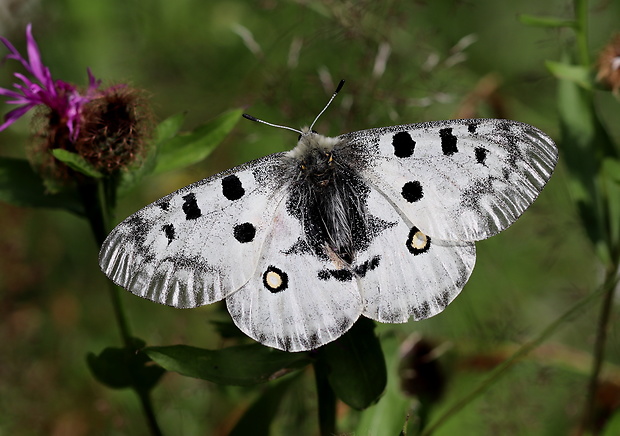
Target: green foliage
{"type": "Point", "coordinates": [77, 163]}
{"type": "Point", "coordinates": [260, 415]}
{"type": "Point", "coordinates": [182, 150]}
{"type": "Point", "coordinates": [243, 365]}
{"type": "Point", "coordinates": [125, 367]}
{"type": "Point", "coordinates": [355, 366]}
{"type": "Point", "coordinates": [173, 150]}
{"type": "Point", "coordinates": [21, 186]}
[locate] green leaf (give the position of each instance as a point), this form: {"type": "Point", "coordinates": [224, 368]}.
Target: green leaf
{"type": "Point", "coordinates": [76, 162]}
{"type": "Point", "coordinates": [168, 128]}
{"type": "Point", "coordinates": [389, 414]}
{"type": "Point", "coordinates": [186, 149]}
{"type": "Point", "coordinates": [258, 418]}
{"type": "Point", "coordinates": [575, 73]}
{"type": "Point", "coordinates": [125, 367]}
{"type": "Point", "coordinates": [356, 365]}
{"type": "Point", "coordinates": [610, 176]}
{"type": "Point", "coordinates": [585, 143]}
{"type": "Point", "coordinates": [21, 186]}
{"type": "Point", "coordinates": [531, 20]}
{"type": "Point", "coordinates": [242, 365]}
{"type": "Point", "coordinates": [612, 426]}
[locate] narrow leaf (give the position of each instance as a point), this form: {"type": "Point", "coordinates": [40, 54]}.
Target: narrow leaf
{"type": "Point", "coordinates": [76, 162]}
{"type": "Point", "coordinates": [190, 148]}
{"type": "Point", "coordinates": [242, 365]}
{"type": "Point", "coordinates": [575, 73]}
{"type": "Point", "coordinates": [531, 20]}
{"type": "Point", "coordinates": [585, 142]}
{"type": "Point", "coordinates": [356, 365]}
{"type": "Point", "coordinates": [21, 186]}
{"type": "Point", "coordinates": [168, 128]}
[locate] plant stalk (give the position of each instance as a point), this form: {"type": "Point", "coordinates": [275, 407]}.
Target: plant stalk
{"type": "Point", "coordinates": [326, 400]}
{"type": "Point", "coordinates": [97, 204]}
{"type": "Point", "coordinates": [602, 331]}
{"type": "Point", "coordinates": [571, 313]}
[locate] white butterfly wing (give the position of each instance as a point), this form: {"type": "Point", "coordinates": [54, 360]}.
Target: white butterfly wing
{"type": "Point", "coordinates": [405, 273]}
{"type": "Point", "coordinates": [200, 243]}
{"type": "Point", "coordinates": [289, 303]}
{"type": "Point", "coordinates": [459, 180]}
{"type": "Point", "coordinates": [429, 190]}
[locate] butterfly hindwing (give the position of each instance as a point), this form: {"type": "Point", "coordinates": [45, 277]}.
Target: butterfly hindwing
{"type": "Point", "coordinates": [460, 180]}
{"type": "Point", "coordinates": [291, 302]}
{"type": "Point", "coordinates": [405, 273]}
{"type": "Point", "coordinates": [200, 243]}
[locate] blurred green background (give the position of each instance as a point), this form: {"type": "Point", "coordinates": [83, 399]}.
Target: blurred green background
{"type": "Point", "coordinates": [404, 62]}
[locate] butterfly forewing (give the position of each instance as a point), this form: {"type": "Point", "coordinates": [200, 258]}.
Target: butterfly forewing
{"type": "Point", "coordinates": [200, 243]}
{"type": "Point", "coordinates": [460, 180]}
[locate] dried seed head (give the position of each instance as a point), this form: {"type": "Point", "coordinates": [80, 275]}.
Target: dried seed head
{"type": "Point", "coordinates": [609, 65]}
{"type": "Point", "coordinates": [114, 129]}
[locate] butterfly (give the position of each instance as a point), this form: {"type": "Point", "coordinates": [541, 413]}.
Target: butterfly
{"type": "Point", "coordinates": [378, 223]}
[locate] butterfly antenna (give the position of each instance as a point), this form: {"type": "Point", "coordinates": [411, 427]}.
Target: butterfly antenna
{"type": "Point", "coordinates": [340, 85]}
{"type": "Point", "coordinates": [251, 118]}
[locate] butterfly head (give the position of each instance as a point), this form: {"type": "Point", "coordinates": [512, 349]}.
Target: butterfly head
{"type": "Point", "coordinates": [311, 142]}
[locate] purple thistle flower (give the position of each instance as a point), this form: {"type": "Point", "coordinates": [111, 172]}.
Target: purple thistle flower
{"type": "Point", "coordinates": [40, 89]}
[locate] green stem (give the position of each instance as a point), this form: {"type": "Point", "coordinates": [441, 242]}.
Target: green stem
{"type": "Point", "coordinates": [599, 350]}
{"type": "Point", "coordinates": [149, 413]}
{"type": "Point", "coordinates": [581, 16]}
{"type": "Point", "coordinates": [94, 198]}
{"type": "Point", "coordinates": [326, 399]}
{"type": "Point", "coordinates": [98, 200]}
{"type": "Point", "coordinates": [526, 348]}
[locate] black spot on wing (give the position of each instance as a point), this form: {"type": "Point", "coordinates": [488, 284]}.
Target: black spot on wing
{"type": "Point", "coordinates": [481, 155]}
{"type": "Point", "coordinates": [190, 207]}
{"type": "Point", "coordinates": [300, 247]}
{"type": "Point", "coordinates": [417, 242]}
{"type": "Point", "coordinates": [367, 266]}
{"type": "Point", "coordinates": [412, 191]}
{"type": "Point", "coordinates": [341, 275]}
{"type": "Point", "coordinates": [164, 205]}
{"type": "Point", "coordinates": [169, 232]}
{"type": "Point", "coordinates": [274, 279]}
{"type": "Point", "coordinates": [244, 232]}
{"type": "Point", "coordinates": [232, 188]}
{"type": "Point", "coordinates": [403, 144]}
{"type": "Point", "coordinates": [448, 141]}
{"type": "Point", "coordinates": [471, 127]}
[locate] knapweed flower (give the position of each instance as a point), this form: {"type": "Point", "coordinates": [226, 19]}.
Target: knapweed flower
{"type": "Point", "coordinates": [40, 89]}
{"type": "Point", "coordinates": [105, 126]}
